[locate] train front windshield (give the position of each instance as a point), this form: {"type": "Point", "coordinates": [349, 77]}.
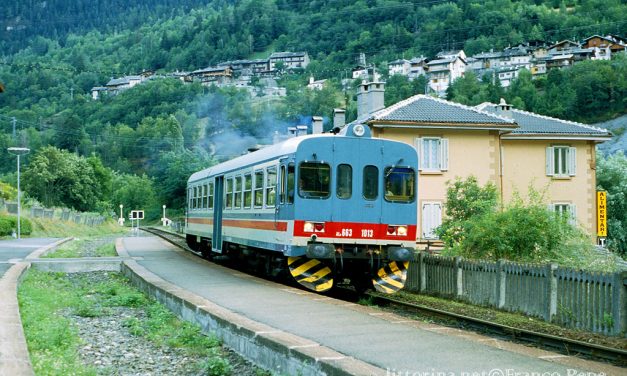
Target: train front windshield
{"type": "Point", "coordinates": [399, 184]}
{"type": "Point", "coordinates": [314, 180]}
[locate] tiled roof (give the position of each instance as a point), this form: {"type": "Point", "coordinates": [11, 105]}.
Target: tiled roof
{"type": "Point", "coordinates": [279, 55]}
{"type": "Point", "coordinates": [535, 124]}
{"type": "Point", "coordinates": [429, 110]}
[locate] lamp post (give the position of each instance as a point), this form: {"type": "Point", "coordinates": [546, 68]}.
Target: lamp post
{"type": "Point", "coordinates": [163, 219]}
{"type": "Point", "coordinates": [19, 152]}
{"type": "Point", "coordinates": [121, 219]}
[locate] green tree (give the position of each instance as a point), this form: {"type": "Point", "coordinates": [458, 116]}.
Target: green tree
{"type": "Point", "coordinates": [135, 193]}
{"type": "Point", "coordinates": [612, 178]}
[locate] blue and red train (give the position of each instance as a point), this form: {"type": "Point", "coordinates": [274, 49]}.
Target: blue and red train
{"type": "Point", "coordinates": [327, 207]}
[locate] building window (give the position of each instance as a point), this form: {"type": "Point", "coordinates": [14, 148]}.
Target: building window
{"type": "Point", "coordinates": [432, 153]}
{"type": "Point", "coordinates": [561, 161]}
{"type": "Point", "coordinates": [566, 211]}
{"type": "Point", "coordinates": [431, 219]}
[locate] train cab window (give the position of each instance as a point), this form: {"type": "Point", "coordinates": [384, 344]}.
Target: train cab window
{"type": "Point", "coordinates": [371, 182]}
{"type": "Point", "coordinates": [400, 184]}
{"type": "Point", "coordinates": [238, 192]}
{"type": "Point", "coordinates": [229, 193]}
{"type": "Point", "coordinates": [344, 185]}
{"type": "Point", "coordinates": [259, 188]}
{"type": "Point", "coordinates": [271, 186]}
{"type": "Point", "coordinates": [248, 190]}
{"type": "Point", "coordinates": [210, 198]}
{"type": "Point", "coordinates": [314, 180]}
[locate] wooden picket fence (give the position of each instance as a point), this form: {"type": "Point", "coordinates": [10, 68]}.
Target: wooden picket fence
{"type": "Point", "coordinates": [596, 302]}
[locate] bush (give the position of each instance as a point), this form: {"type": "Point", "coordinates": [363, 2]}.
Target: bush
{"type": "Point", "coordinates": [8, 224]}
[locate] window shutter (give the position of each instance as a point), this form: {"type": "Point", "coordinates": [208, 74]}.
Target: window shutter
{"type": "Point", "coordinates": [426, 220]}
{"type": "Point", "coordinates": [550, 207]}
{"type": "Point", "coordinates": [573, 213]}
{"type": "Point", "coordinates": [572, 161]}
{"type": "Point", "coordinates": [418, 146]}
{"type": "Point", "coordinates": [444, 154]}
{"type": "Point", "coordinates": [549, 161]}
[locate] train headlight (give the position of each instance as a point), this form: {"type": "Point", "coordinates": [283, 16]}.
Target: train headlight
{"type": "Point", "coordinates": [359, 130]}
{"type": "Point", "coordinates": [401, 231]}
{"type": "Point", "coordinates": [308, 227]}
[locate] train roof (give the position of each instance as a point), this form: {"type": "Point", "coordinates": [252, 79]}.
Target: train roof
{"type": "Point", "coordinates": [270, 152]}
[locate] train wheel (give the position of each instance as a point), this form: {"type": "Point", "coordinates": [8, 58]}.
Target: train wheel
{"type": "Point", "coordinates": [311, 273]}
{"type": "Point", "coordinates": [391, 278]}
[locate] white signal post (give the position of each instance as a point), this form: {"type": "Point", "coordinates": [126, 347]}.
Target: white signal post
{"type": "Point", "coordinates": [18, 152]}
{"type": "Point", "coordinates": [121, 219]}
{"type": "Point", "coordinates": [164, 220]}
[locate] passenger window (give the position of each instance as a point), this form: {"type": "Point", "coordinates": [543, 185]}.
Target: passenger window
{"type": "Point", "coordinates": [238, 192]}
{"type": "Point", "coordinates": [195, 196]}
{"type": "Point", "coordinates": [204, 196]}
{"type": "Point", "coordinates": [314, 180]}
{"type": "Point", "coordinates": [344, 185]}
{"type": "Point", "coordinates": [248, 190]}
{"type": "Point", "coordinates": [190, 197]}
{"type": "Point", "coordinates": [258, 189]}
{"type": "Point", "coordinates": [229, 193]}
{"type": "Point", "coordinates": [210, 195]}
{"type": "Point", "coordinates": [400, 184]}
{"type": "Point", "coordinates": [371, 182]}
{"type": "Point", "coordinates": [271, 186]}
{"type": "Point", "coordinates": [283, 186]}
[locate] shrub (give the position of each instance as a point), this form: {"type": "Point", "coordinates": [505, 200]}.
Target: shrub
{"type": "Point", "coordinates": [8, 224]}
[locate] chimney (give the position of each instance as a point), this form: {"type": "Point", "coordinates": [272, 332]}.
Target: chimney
{"type": "Point", "coordinates": [301, 130]}
{"type": "Point", "coordinates": [316, 124]}
{"type": "Point", "coordinates": [503, 109]}
{"type": "Point", "coordinates": [339, 118]}
{"type": "Point", "coordinates": [370, 98]}
{"type": "Point", "coordinates": [292, 132]}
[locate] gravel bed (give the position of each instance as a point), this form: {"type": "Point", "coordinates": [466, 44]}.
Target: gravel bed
{"type": "Point", "coordinates": [110, 347]}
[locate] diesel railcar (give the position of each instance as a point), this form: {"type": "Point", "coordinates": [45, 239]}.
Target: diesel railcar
{"type": "Point", "coordinates": [327, 208]}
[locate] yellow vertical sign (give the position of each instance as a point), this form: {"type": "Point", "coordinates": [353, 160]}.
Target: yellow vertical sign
{"type": "Point", "coordinates": [601, 213]}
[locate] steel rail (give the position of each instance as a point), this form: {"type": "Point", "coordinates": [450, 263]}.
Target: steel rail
{"type": "Point", "coordinates": [564, 345]}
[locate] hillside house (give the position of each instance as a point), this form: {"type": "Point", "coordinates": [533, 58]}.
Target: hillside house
{"type": "Point", "coordinates": [417, 67]}
{"type": "Point", "coordinates": [613, 42]}
{"type": "Point", "coordinates": [117, 85]}
{"type": "Point", "coordinates": [400, 67]}
{"type": "Point", "coordinates": [495, 143]}
{"type": "Point", "coordinates": [447, 67]}
{"type": "Point", "coordinates": [210, 75]}
{"type": "Point", "coordinates": [315, 84]}
{"type": "Point", "coordinates": [290, 60]}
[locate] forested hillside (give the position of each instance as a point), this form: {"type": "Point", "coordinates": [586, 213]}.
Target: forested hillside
{"type": "Point", "coordinates": [154, 135]}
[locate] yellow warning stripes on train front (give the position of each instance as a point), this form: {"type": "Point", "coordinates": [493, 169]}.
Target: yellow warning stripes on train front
{"type": "Point", "coordinates": [391, 278]}
{"type": "Point", "coordinates": [311, 273]}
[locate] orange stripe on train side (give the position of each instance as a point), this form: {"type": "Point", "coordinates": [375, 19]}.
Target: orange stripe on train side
{"type": "Point", "coordinates": [256, 225]}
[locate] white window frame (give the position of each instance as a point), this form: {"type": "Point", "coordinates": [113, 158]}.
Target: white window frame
{"type": "Point", "coordinates": [442, 153]}
{"type": "Point", "coordinates": [430, 219]}
{"type": "Point", "coordinates": [565, 157]}
{"type": "Point", "coordinates": [565, 207]}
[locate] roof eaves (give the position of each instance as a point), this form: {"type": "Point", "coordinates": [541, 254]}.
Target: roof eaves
{"type": "Point", "coordinates": [597, 129]}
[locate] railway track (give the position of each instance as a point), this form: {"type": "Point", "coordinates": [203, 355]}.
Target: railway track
{"type": "Point", "coordinates": [562, 345]}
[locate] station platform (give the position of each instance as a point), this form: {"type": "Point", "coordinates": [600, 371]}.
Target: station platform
{"type": "Point", "coordinates": [392, 344]}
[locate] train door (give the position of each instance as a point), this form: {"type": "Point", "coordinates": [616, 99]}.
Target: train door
{"type": "Point", "coordinates": [368, 180]}
{"type": "Point", "coordinates": [218, 208]}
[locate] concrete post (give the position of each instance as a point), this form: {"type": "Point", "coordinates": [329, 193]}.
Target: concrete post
{"type": "Point", "coordinates": [500, 284]}
{"type": "Point", "coordinates": [423, 272]}
{"type": "Point", "coordinates": [619, 302]}
{"type": "Point", "coordinates": [551, 285]}
{"type": "Point", "coordinates": [459, 290]}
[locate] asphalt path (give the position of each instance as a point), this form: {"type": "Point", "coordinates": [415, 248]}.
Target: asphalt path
{"type": "Point", "coordinates": [14, 250]}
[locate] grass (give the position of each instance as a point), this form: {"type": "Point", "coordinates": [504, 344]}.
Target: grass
{"type": "Point", "coordinates": [508, 318]}
{"type": "Point", "coordinates": [53, 341]}
{"type": "Point", "coordinates": [78, 248]}
{"type": "Point", "coordinates": [44, 228]}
